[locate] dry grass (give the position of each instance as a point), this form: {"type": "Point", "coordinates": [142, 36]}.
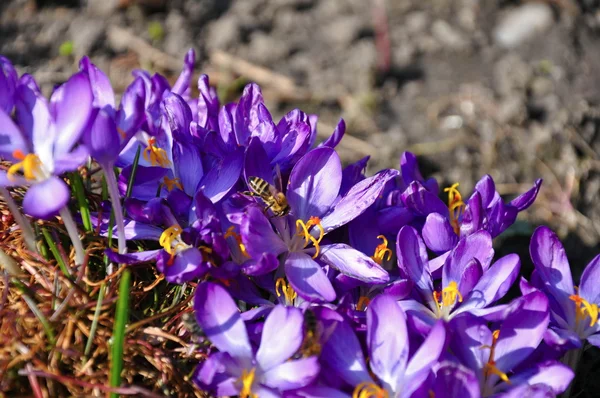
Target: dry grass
{"type": "Point", "coordinates": [158, 358]}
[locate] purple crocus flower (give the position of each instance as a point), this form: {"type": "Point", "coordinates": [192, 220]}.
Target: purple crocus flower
{"type": "Point", "coordinates": [44, 143]}
{"type": "Point", "coordinates": [392, 372]}
{"type": "Point", "coordinates": [316, 209]}
{"type": "Point", "coordinates": [574, 311]}
{"type": "Point", "coordinates": [485, 209]}
{"type": "Point", "coordinates": [239, 369]}
{"type": "Point", "coordinates": [469, 283]}
{"type": "Point", "coordinates": [499, 358]}
{"type": "Point", "coordinates": [192, 241]}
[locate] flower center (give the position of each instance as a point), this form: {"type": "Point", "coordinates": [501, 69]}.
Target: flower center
{"type": "Point", "coordinates": [369, 390]}
{"type": "Point", "coordinates": [171, 183]}
{"type": "Point", "coordinates": [382, 251]}
{"type": "Point", "coordinates": [285, 289]}
{"type": "Point", "coordinates": [247, 380]}
{"type": "Point", "coordinates": [171, 241]}
{"type": "Point", "coordinates": [30, 164]}
{"type": "Point", "coordinates": [456, 206]}
{"type": "Point", "coordinates": [362, 303]}
{"type": "Point", "coordinates": [154, 155]}
{"type": "Point", "coordinates": [230, 233]}
{"type": "Point", "coordinates": [304, 231]}
{"type": "Point", "coordinates": [583, 309]}
{"type": "Point", "coordinates": [490, 367]}
{"type": "Point", "coordinates": [449, 295]}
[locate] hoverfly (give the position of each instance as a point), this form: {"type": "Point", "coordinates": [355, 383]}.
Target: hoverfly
{"type": "Point", "coordinates": [273, 198]}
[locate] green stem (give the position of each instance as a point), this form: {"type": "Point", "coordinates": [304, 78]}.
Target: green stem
{"type": "Point", "coordinates": [84, 208]}
{"type": "Point", "coordinates": [115, 198]}
{"type": "Point", "coordinates": [571, 359]}
{"type": "Point", "coordinates": [73, 234]}
{"type": "Point", "coordinates": [55, 252]}
{"type": "Point", "coordinates": [88, 345]}
{"type": "Point", "coordinates": [118, 338]}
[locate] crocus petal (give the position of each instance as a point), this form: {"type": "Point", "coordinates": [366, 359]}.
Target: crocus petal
{"type": "Point", "coordinates": [455, 380]}
{"type": "Point", "coordinates": [470, 333]}
{"type": "Point", "coordinates": [422, 362]}
{"type": "Point", "coordinates": [218, 315]}
{"type": "Point", "coordinates": [551, 373]}
{"type": "Point", "coordinates": [308, 278]}
{"type": "Point", "coordinates": [267, 262]}
{"type": "Point", "coordinates": [494, 283]}
{"type": "Point", "coordinates": [314, 183]}
{"type": "Point", "coordinates": [317, 392]}
{"type": "Point", "coordinates": [594, 340]}
{"type": "Point", "coordinates": [552, 267]}
{"type": "Point", "coordinates": [186, 266]}
{"type": "Point", "coordinates": [487, 189]}
{"type": "Point", "coordinates": [353, 263]}
{"type": "Point", "coordinates": [33, 116]}
{"type": "Point", "coordinates": [391, 219]}
{"type": "Point", "coordinates": [104, 95]}
{"type": "Point", "coordinates": [422, 201]}
{"type": "Point", "coordinates": [522, 330]}
{"type": "Point", "coordinates": [71, 161]}
{"type": "Point", "coordinates": [256, 162]}
{"type": "Point", "coordinates": [526, 199]}
{"type": "Point", "coordinates": [246, 113]}
{"type": "Point", "coordinates": [258, 235]}
{"type": "Point", "coordinates": [44, 199]}
{"type": "Point", "coordinates": [71, 106]}
{"type": "Point", "coordinates": [188, 166]}
{"type": "Point", "coordinates": [589, 288]}
{"type": "Point", "coordinates": [353, 174]}
{"type": "Point", "coordinates": [412, 260]}
{"type": "Point", "coordinates": [222, 176]}
{"type": "Point", "coordinates": [387, 339]}
{"type": "Point", "coordinates": [357, 200]}
{"type": "Point", "coordinates": [179, 116]}
{"type": "Point", "coordinates": [292, 374]}
{"type": "Point", "coordinates": [8, 83]}
{"type": "Point", "coordinates": [11, 138]}
{"type": "Point", "coordinates": [473, 218]}
{"type": "Point", "coordinates": [398, 289]}
{"type": "Point", "coordinates": [293, 145]}
{"type": "Point", "coordinates": [132, 258]}
{"type": "Point", "coordinates": [438, 234]}
{"type": "Point", "coordinates": [102, 139]}
{"type": "Point", "coordinates": [336, 136]}
{"type": "Point", "coordinates": [182, 85]}
{"type": "Point", "coordinates": [274, 350]}
{"type": "Point", "coordinates": [343, 355]}
{"type": "Point", "coordinates": [470, 276]}
{"type": "Point", "coordinates": [131, 114]}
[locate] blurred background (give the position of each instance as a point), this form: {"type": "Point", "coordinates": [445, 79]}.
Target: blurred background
{"type": "Point", "coordinates": [509, 88]}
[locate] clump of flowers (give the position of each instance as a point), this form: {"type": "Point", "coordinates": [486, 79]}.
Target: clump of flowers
{"type": "Point", "coordinates": [312, 279]}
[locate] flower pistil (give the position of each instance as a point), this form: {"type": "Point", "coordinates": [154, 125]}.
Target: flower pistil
{"type": "Point", "coordinates": [583, 309]}
{"type": "Point", "coordinates": [490, 367]}
{"type": "Point", "coordinates": [285, 289]}
{"type": "Point", "coordinates": [456, 206]}
{"type": "Point", "coordinates": [369, 390]}
{"type": "Point", "coordinates": [170, 240]}
{"type": "Point", "coordinates": [30, 164]}
{"type": "Point", "coordinates": [154, 155]}
{"type": "Point", "coordinates": [382, 251]}
{"type": "Point", "coordinates": [304, 231]}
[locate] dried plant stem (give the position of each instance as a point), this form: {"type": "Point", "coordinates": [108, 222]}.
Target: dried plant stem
{"type": "Point", "coordinates": [115, 198]}
{"type": "Point", "coordinates": [28, 234]}
{"type": "Point", "coordinates": [73, 234]}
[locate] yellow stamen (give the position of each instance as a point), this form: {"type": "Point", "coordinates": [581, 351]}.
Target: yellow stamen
{"type": "Point", "coordinates": [456, 206]}
{"type": "Point", "coordinates": [30, 164]}
{"type": "Point", "coordinates": [490, 367]}
{"type": "Point", "coordinates": [247, 380]}
{"type": "Point", "coordinates": [304, 230]}
{"type": "Point", "coordinates": [286, 289]}
{"type": "Point", "coordinates": [369, 390]}
{"type": "Point", "coordinates": [583, 309]}
{"type": "Point", "coordinates": [231, 233]}
{"type": "Point", "coordinates": [154, 155]}
{"type": "Point", "coordinates": [363, 302]}
{"type": "Point", "coordinates": [169, 240]}
{"type": "Point", "coordinates": [449, 295]}
{"type": "Point", "coordinates": [171, 183]}
{"type": "Point", "coordinates": [381, 251]}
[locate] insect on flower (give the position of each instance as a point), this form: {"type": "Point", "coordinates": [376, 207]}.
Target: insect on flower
{"type": "Point", "coordinates": [273, 198]}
